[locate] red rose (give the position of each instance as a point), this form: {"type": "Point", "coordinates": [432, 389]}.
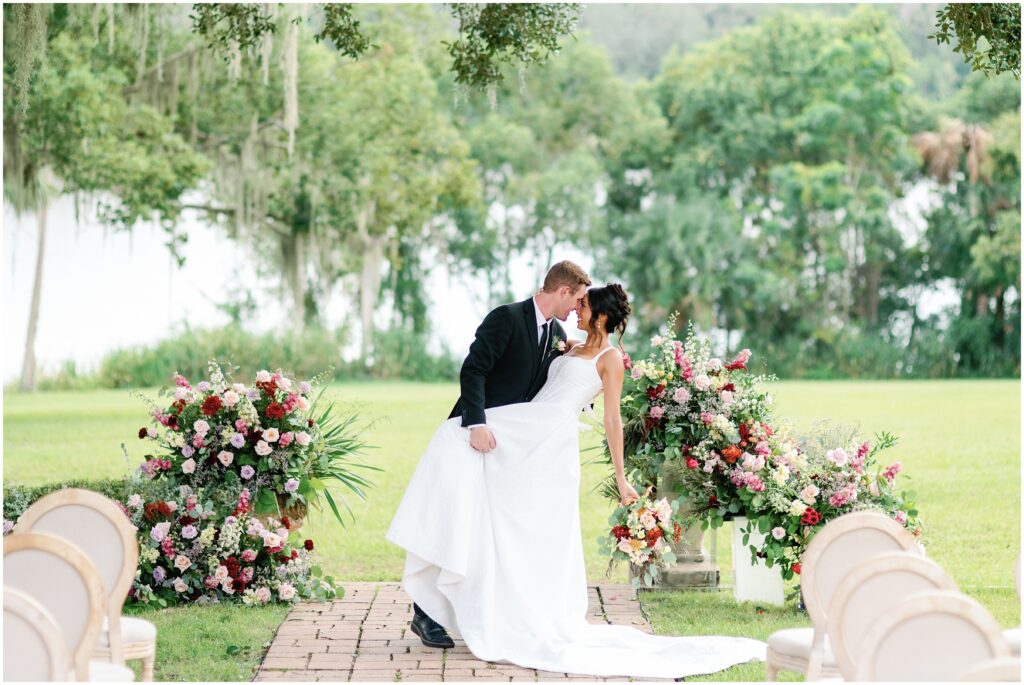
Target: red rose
{"type": "Point", "coordinates": [713, 501]}
{"type": "Point", "coordinates": [286, 522]}
{"type": "Point", "coordinates": [796, 568]}
{"type": "Point", "coordinates": [275, 411]}
{"type": "Point", "coordinates": [212, 405]}
{"type": "Point", "coordinates": [691, 463]}
{"type": "Point", "coordinates": [308, 544]}
{"type": "Point", "coordinates": [620, 532]}
{"type": "Point", "coordinates": [142, 433]}
{"type": "Point", "coordinates": [731, 454]}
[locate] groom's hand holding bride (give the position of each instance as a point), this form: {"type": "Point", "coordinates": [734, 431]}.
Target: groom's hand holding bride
{"type": "Point", "coordinates": [482, 439]}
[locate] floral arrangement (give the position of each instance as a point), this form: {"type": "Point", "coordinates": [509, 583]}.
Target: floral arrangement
{"type": "Point", "coordinates": [707, 425]}
{"type": "Point", "coordinates": [190, 552]}
{"type": "Point", "coordinates": [638, 535]}
{"type": "Point", "coordinates": [269, 436]}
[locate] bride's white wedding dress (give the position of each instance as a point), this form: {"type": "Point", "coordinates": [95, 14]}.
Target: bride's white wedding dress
{"type": "Point", "coordinates": [495, 551]}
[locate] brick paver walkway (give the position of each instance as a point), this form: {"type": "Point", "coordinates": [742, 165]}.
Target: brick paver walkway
{"type": "Point", "coordinates": [366, 637]}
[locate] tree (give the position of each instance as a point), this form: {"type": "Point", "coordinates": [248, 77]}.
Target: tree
{"type": "Point", "coordinates": [986, 34]}
{"type": "Point", "coordinates": [71, 131]}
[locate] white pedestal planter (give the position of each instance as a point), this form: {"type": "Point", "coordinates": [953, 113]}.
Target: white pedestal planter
{"type": "Point", "coordinates": [753, 582]}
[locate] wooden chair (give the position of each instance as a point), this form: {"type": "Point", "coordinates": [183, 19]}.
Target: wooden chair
{"type": "Point", "coordinates": [836, 549]}
{"type": "Point", "coordinates": [868, 592]}
{"type": "Point", "coordinates": [97, 526]}
{"type": "Point", "coordinates": [34, 647]}
{"type": "Point", "coordinates": [995, 671]}
{"type": "Point", "coordinates": [61, 578]}
{"type": "Point", "coordinates": [936, 636]}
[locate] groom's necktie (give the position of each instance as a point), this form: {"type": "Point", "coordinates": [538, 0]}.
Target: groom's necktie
{"type": "Point", "coordinates": [543, 338]}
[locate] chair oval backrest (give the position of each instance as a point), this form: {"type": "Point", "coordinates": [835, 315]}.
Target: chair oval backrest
{"type": "Point", "coordinates": [838, 547]}
{"type": "Point", "coordinates": [930, 636]}
{"type": "Point", "coordinates": [98, 527]}
{"type": "Point", "coordinates": [34, 647]}
{"type": "Point", "coordinates": [60, 577]}
{"type": "Point", "coordinates": [995, 671]}
{"type": "Point", "coordinates": [869, 591]}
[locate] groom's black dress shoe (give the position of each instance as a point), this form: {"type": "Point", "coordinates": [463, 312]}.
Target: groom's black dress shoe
{"type": "Point", "coordinates": [429, 631]}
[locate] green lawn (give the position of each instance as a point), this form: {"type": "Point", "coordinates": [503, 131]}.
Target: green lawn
{"type": "Point", "coordinates": [959, 444]}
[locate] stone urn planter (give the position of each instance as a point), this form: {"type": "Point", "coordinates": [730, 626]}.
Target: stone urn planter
{"type": "Point", "coordinates": [753, 582]}
{"type": "Point", "coordinates": [296, 512]}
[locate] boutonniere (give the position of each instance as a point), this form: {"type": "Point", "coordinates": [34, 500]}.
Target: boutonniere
{"type": "Point", "coordinates": [558, 345]}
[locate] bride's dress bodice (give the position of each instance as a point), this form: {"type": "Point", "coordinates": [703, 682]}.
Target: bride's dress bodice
{"type": "Point", "coordinates": [572, 381]}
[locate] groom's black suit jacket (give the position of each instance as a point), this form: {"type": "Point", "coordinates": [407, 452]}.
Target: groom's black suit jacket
{"type": "Point", "coordinates": [505, 363]}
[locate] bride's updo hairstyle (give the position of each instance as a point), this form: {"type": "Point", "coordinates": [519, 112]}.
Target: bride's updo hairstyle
{"type": "Point", "coordinates": [612, 301]}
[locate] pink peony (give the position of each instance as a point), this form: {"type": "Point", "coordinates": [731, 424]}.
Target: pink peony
{"type": "Point", "coordinates": [657, 412]}
{"type": "Point", "coordinates": [286, 439]}
{"type": "Point", "coordinates": [681, 396]}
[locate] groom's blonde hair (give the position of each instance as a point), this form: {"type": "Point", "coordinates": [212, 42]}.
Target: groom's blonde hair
{"type": "Point", "coordinates": [565, 273]}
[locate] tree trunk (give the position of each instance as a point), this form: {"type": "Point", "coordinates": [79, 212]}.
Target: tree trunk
{"type": "Point", "coordinates": [369, 286]}
{"type": "Point", "coordinates": [28, 367]}
{"type": "Point", "coordinates": [294, 262]}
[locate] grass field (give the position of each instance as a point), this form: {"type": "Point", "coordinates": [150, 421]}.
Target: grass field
{"type": "Point", "coordinates": [959, 444]}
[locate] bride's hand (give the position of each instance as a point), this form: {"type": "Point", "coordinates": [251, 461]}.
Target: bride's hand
{"type": "Point", "coordinates": [627, 494]}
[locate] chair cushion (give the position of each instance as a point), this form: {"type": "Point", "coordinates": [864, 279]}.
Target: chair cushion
{"type": "Point", "coordinates": [1013, 637]}
{"type": "Point", "coordinates": [132, 630]}
{"type": "Point", "coordinates": [796, 642]}
{"type": "Point", "coordinates": [106, 672]}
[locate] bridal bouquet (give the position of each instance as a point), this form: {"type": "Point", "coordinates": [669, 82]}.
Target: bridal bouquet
{"type": "Point", "coordinates": [272, 436]}
{"type": "Point", "coordinates": [190, 552]}
{"type": "Point", "coordinates": [637, 535]}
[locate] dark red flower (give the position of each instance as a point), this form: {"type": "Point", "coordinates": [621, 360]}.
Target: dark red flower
{"type": "Point", "coordinates": [677, 532]}
{"type": "Point", "coordinates": [653, 535]}
{"type": "Point", "coordinates": [620, 532]}
{"type": "Point", "coordinates": [308, 544]}
{"type": "Point", "coordinates": [731, 387]}
{"type": "Point", "coordinates": [655, 393]}
{"type": "Point", "coordinates": [796, 568]}
{"type": "Point", "coordinates": [158, 511]}
{"type": "Point", "coordinates": [142, 433]}
{"type": "Point", "coordinates": [268, 387]}
{"type": "Point", "coordinates": [713, 501]}
{"type": "Point", "coordinates": [295, 554]}
{"type": "Point", "coordinates": [286, 522]}
{"type": "Point", "coordinates": [275, 411]}
{"type": "Point", "coordinates": [310, 422]}
{"type": "Point", "coordinates": [810, 517]}
{"type": "Point", "coordinates": [212, 405]}
{"type": "Point", "coordinates": [187, 520]}
{"type": "Point", "coordinates": [178, 407]}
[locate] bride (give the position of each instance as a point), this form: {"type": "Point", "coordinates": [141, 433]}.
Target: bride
{"type": "Point", "coordinates": [493, 540]}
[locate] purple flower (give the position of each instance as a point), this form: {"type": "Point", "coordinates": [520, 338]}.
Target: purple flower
{"type": "Point", "coordinates": [237, 441]}
{"type": "Point", "coordinates": [159, 574]}
{"type": "Point", "coordinates": [203, 386]}
{"type": "Point", "coordinates": [187, 451]}
{"type": "Point", "coordinates": [230, 520]}
{"type": "Point", "coordinates": [8, 526]}
{"type": "Point", "coordinates": [189, 532]}
{"type": "Point", "coordinates": [253, 394]}
{"type": "Point", "coordinates": [305, 388]}
{"type": "Point", "coordinates": [248, 472]}
{"type": "Point", "coordinates": [291, 485]}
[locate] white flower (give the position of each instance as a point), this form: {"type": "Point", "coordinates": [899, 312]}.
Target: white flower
{"type": "Point", "coordinates": [179, 585]}
{"type": "Point", "coordinates": [284, 383]}
{"type": "Point", "coordinates": [873, 489]}
{"type": "Point", "coordinates": [263, 594]}
{"type": "Point", "coordinates": [227, 587]}
{"type": "Point", "coordinates": [176, 440]}
{"type": "Point", "coordinates": [657, 341]}
{"type": "Point", "coordinates": [302, 438]}
{"type": "Point", "coordinates": [225, 457]}
{"type": "Point", "coordinates": [727, 397]}
{"type": "Point", "coordinates": [263, 449]}
{"type": "Point", "coordinates": [263, 376]}
{"type": "Point", "coordinates": [201, 427]}
{"type": "Point", "coordinates": [271, 435]}
{"type": "Point", "coordinates": [647, 519]}
{"type": "Point", "coordinates": [714, 364]}
{"type": "Point", "coordinates": [181, 394]}
{"type": "Point", "coordinates": [663, 509]}
{"type": "Point", "coordinates": [702, 382]}
{"type": "Point", "coordinates": [135, 501]}
{"type": "Point", "coordinates": [302, 403]}
{"type": "Point", "coordinates": [239, 388]}
{"type": "Point", "coordinates": [839, 457]}
{"type": "Point", "coordinates": [221, 573]}
{"type": "Point", "coordinates": [809, 494]}
{"type": "Point", "coordinates": [781, 475]}
{"type": "Point", "coordinates": [285, 591]}
{"type": "Point", "coordinates": [182, 563]}
{"type": "Point", "coordinates": [797, 508]}
{"type": "Point", "coordinates": [188, 466]}
{"type": "Point", "coordinates": [778, 532]}
{"type": "Point", "coordinates": [231, 398]}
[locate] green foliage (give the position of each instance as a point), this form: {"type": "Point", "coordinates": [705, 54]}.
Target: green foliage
{"type": "Point", "coordinates": [18, 498]}
{"type": "Point", "coordinates": [996, 24]}
{"type": "Point", "coordinates": [495, 34]}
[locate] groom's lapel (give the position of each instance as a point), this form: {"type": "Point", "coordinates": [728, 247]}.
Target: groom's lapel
{"type": "Point", "coordinates": [530, 319]}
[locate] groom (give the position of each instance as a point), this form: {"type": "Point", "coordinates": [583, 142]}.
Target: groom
{"type": "Point", "coordinates": [508, 363]}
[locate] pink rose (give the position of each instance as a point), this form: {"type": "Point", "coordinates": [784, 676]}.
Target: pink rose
{"type": "Point", "coordinates": [681, 396]}
{"type": "Point", "coordinates": [657, 412]}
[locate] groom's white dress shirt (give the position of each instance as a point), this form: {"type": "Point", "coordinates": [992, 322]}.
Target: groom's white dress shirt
{"type": "Point", "coordinates": [540, 333]}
